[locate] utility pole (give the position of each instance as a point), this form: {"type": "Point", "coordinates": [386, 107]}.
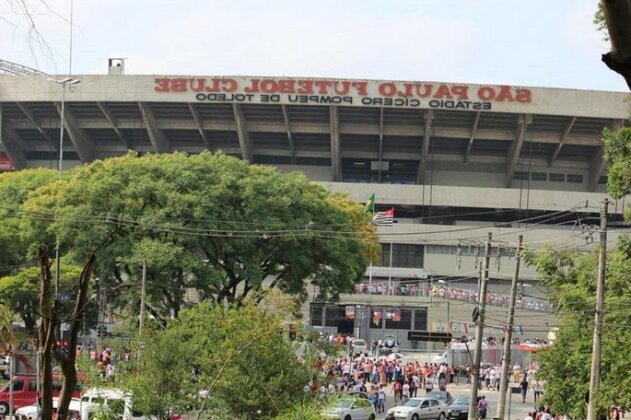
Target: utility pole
{"type": "Point", "coordinates": [594, 379]}
{"type": "Point", "coordinates": [141, 320]}
{"type": "Point", "coordinates": [509, 335]}
{"type": "Point", "coordinates": [479, 331]}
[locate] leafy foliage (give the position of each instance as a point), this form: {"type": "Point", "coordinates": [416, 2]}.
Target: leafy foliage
{"type": "Point", "coordinates": [244, 364]}
{"type": "Point", "coordinates": [21, 291]}
{"type": "Point", "coordinates": [571, 282]}
{"type": "Point", "coordinates": [207, 222]}
{"type": "Point", "coordinates": [599, 22]}
{"type": "Point", "coordinates": [15, 189]}
{"type": "Point", "coordinates": [618, 153]}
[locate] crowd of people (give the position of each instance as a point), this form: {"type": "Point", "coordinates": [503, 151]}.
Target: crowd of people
{"type": "Point", "coordinates": [103, 360]}
{"type": "Point", "coordinates": [374, 375]}
{"type": "Point", "coordinates": [398, 288]}
{"type": "Point", "coordinates": [377, 375]}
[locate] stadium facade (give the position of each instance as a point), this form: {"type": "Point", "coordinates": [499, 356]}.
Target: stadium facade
{"type": "Point", "coordinates": [454, 160]}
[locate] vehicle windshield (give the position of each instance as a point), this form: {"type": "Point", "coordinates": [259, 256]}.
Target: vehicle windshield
{"type": "Point", "coordinates": [359, 342]}
{"type": "Point", "coordinates": [437, 395]}
{"type": "Point", "coordinates": [461, 400]}
{"type": "Point", "coordinates": [343, 403]}
{"type": "Point", "coordinates": [412, 402]}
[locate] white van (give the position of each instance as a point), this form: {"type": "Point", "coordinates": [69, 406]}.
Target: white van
{"type": "Point", "coordinates": [457, 349]}
{"type": "Point", "coordinates": [114, 400]}
{"type": "Point", "coordinates": [76, 410]}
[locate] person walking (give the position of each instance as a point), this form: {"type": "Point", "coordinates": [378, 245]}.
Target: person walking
{"type": "Point", "coordinates": [537, 389]}
{"type": "Point", "coordinates": [523, 386]}
{"type": "Point", "coordinates": [482, 407]}
{"type": "Point", "coordinates": [396, 390]}
{"type": "Point", "coordinates": [405, 391]}
{"type": "Point", "coordinates": [381, 400]}
{"type": "Point", "coordinates": [429, 384]}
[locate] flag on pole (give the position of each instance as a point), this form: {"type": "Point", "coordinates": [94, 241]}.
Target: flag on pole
{"type": "Point", "coordinates": [370, 204]}
{"type": "Point", "coordinates": [384, 218]}
{"type": "Point", "coordinates": [376, 317]}
{"type": "Point", "coordinates": [396, 315]}
{"type": "Point", "coordinates": [350, 312]}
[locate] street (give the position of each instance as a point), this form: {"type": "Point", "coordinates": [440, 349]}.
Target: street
{"type": "Point", "coordinates": [515, 409]}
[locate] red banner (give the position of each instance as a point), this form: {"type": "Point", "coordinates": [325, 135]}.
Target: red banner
{"type": "Point", "coordinates": [5, 163]}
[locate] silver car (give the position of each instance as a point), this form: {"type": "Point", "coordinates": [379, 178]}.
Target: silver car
{"type": "Point", "coordinates": [350, 408]}
{"type": "Point", "coordinates": [359, 347]}
{"type": "Point", "coordinates": [418, 409]}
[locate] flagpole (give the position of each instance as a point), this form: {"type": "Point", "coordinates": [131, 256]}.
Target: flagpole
{"type": "Point", "coordinates": [370, 272]}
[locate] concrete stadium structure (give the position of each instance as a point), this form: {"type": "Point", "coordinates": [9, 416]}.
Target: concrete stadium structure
{"type": "Point", "coordinates": [455, 161]}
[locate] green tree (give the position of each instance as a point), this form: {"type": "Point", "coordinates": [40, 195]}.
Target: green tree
{"type": "Point", "coordinates": [618, 152]}
{"type": "Point", "coordinates": [15, 188]}
{"type": "Point", "coordinates": [244, 365]}
{"type": "Point", "coordinates": [21, 291]}
{"type": "Point", "coordinates": [217, 224]}
{"type": "Point", "coordinates": [571, 282]}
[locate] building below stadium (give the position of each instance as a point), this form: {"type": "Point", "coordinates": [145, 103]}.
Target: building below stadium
{"type": "Point", "coordinates": [454, 161]}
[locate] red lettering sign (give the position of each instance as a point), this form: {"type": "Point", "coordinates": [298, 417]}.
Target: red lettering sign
{"type": "Point", "coordinates": [273, 86]}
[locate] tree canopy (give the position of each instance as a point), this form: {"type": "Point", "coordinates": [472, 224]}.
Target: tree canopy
{"type": "Point", "coordinates": [207, 223]}
{"type": "Point", "coordinates": [570, 278]}
{"type": "Point", "coordinates": [234, 362]}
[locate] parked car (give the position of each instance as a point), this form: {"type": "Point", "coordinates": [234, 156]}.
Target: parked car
{"type": "Point", "coordinates": [417, 409]}
{"type": "Point", "coordinates": [116, 402]}
{"type": "Point", "coordinates": [32, 411]}
{"type": "Point", "coordinates": [25, 392]}
{"type": "Point", "coordinates": [359, 347]}
{"type": "Point", "coordinates": [442, 396]}
{"type": "Point", "coordinates": [350, 408]}
{"type": "Point", "coordinates": [459, 408]}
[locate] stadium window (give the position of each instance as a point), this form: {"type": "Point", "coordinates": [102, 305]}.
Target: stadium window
{"type": "Point", "coordinates": [575, 178]}
{"type": "Point", "coordinates": [602, 180]}
{"type": "Point", "coordinates": [385, 255]}
{"type": "Point", "coordinates": [405, 321]}
{"type": "Point", "coordinates": [316, 315]}
{"type": "Point", "coordinates": [407, 255]}
{"type": "Point", "coordinates": [332, 314]}
{"type": "Point", "coordinates": [520, 176]}
{"type": "Point", "coordinates": [420, 319]}
{"type": "Point", "coordinates": [553, 177]}
{"type": "Point", "coordinates": [47, 155]}
{"type": "Point", "coordinates": [269, 159]}
{"type": "Point", "coordinates": [308, 161]}
{"type": "Point", "coordinates": [539, 176]}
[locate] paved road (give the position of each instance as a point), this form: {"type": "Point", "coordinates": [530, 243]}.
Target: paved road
{"type": "Point", "coordinates": [518, 410]}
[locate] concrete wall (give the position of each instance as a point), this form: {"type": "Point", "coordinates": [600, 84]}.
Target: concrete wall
{"type": "Point", "coordinates": [314, 173]}
{"type": "Point", "coordinates": [143, 88]}
{"type": "Point", "coordinates": [457, 196]}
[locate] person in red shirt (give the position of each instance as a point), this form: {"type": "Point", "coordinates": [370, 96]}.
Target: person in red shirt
{"type": "Point", "coordinates": [396, 390]}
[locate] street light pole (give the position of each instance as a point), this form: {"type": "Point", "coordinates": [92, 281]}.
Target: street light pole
{"type": "Point", "coordinates": [62, 82]}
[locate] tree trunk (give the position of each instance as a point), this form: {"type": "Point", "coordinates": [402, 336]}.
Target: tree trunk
{"type": "Point", "coordinates": [45, 336]}
{"type": "Point", "coordinates": [618, 19]}
{"type": "Point", "coordinates": [67, 359]}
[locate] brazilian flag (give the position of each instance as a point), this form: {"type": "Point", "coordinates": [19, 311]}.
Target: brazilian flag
{"type": "Point", "coordinates": [370, 204]}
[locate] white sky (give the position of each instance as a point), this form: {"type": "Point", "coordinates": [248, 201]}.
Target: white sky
{"type": "Point", "coordinates": [550, 43]}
